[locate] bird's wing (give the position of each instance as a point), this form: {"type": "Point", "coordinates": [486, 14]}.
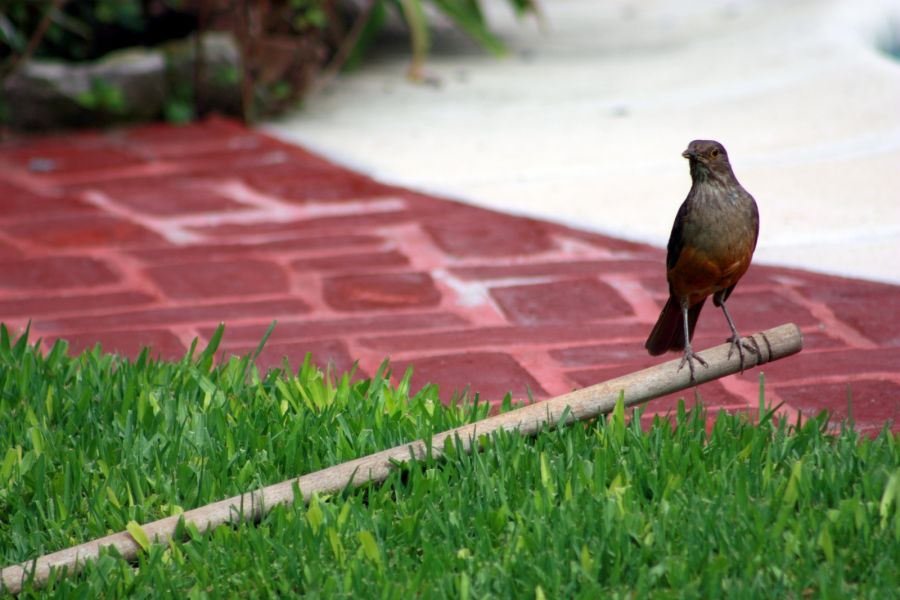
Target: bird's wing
{"type": "Point", "coordinates": [676, 238]}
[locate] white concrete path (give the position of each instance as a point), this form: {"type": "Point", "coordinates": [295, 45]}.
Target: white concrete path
{"type": "Point", "coordinates": [584, 123]}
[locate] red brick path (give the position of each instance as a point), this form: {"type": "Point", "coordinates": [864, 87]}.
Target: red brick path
{"type": "Point", "coordinates": [154, 235]}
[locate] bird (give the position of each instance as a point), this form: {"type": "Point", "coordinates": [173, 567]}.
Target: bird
{"type": "Point", "coordinates": [710, 248]}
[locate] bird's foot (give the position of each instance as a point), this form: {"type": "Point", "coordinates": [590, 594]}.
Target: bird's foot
{"type": "Point", "coordinates": [689, 357]}
{"type": "Point", "coordinates": [748, 344]}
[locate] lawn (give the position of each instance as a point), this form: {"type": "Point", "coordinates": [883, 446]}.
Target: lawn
{"type": "Point", "coordinates": [745, 508]}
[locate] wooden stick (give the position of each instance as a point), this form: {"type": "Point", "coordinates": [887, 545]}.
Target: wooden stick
{"type": "Point", "coordinates": [585, 403]}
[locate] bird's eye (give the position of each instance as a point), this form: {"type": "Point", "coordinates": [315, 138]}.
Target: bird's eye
{"type": "Point", "coordinates": [714, 153]}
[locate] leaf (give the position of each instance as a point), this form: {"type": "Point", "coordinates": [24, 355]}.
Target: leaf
{"type": "Point", "coordinates": [205, 360]}
{"type": "Point", "coordinates": [370, 546]}
{"type": "Point", "coordinates": [826, 544]}
{"type": "Point", "coordinates": [5, 344]}
{"type": "Point", "coordinates": [113, 499]}
{"type": "Point", "coordinates": [178, 111]}
{"type": "Point", "coordinates": [587, 561]}
{"type": "Point", "coordinates": [139, 535]}
{"type": "Point", "coordinates": [792, 492]}
{"type": "Point", "coordinates": [337, 548]}
{"type": "Point", "coordinates": [21, 343]}
{"type": "Point", "coordinates": [314, 515]}
{"type": "Point", "coordinates": [12, 458]}
{"type": "Point", "coordinates": [546, 474]}
{"type": "Point", "coordinates": [470, 20]}
{"type": "Point", "coordinates": [37, 440]}
{"type": "Point", "coordinates": [367, 35]}
{"type": "Point", "coordinates": [890, 497]}
{"type": "Point", "coordinates": [464, 586]}
{"type": "Point", "coordinates": [618, 420]}
{"type": "Point", "coordinates": [264, 339]}
{"type": "Point", "coordinates": [344, 514]}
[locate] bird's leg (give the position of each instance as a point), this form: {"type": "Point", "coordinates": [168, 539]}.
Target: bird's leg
{"type": "Point", "coordinates": [737, 341]}
{"type": "Point", "coordinates": [689, 355]}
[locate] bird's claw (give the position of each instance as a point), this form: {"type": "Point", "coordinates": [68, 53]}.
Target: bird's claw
{"type": "Point", "coordinates": [689, 357]}
{"type": "Point", "coordinates": [748, 344]}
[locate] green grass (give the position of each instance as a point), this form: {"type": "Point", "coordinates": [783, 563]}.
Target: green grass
{"type": "Point", "coordinates": [89, 443]}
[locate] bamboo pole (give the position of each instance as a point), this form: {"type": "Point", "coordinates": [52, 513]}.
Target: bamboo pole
{"type": "Point", "coordinates": [586, 403]}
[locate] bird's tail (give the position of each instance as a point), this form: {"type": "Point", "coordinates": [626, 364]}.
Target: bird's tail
{"type": "Point", "coordinates": [668, 333]}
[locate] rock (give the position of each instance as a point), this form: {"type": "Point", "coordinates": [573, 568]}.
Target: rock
{"type": "Point", "coordinates": [124, 85]}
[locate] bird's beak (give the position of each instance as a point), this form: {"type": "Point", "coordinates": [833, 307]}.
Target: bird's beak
{"type": "Point", "coordinates": [689, 154]}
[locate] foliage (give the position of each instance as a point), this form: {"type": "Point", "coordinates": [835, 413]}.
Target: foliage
{"type": "Point", "coordinates": [97, 443]}
{"type": "Point", "coordinates": [103, 96]}
{"type": "Point", "coordinates": [88, 29]}
{"type": "Point", "coordinates": [286, 45]}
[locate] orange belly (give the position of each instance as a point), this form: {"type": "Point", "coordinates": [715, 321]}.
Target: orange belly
{"type": "Point", "coordinates": [697, 274]}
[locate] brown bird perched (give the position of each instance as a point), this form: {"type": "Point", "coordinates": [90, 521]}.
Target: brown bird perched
{"type": "Point", "coordinates": [710, 247]}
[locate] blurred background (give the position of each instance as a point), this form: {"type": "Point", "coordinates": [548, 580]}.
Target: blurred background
{"type": "Point", "coordinates": [570, 110]}
{"type": "Point", "coordinates": [90, 62]}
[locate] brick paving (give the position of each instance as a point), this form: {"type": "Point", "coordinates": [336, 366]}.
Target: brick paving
{"type": "Point", "coordinates": [153, 235]}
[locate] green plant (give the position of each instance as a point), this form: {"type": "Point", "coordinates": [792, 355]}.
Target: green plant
{"type": "Point", "coordinates": [179, 105]}
{"type": "Point", "coordinates": [690, 508]}
{"type": "Point", "coordinates": [287, 46]}
{"type": "Point", "coordinates": [87, 29]}
{"type": "Point", "coordinates": [468, 15]}
{"type": "Point", "coordinates": [104, 97]}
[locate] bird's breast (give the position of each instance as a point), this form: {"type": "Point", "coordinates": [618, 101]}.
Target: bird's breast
{"type": "Point", "coordinates": [719, 236]}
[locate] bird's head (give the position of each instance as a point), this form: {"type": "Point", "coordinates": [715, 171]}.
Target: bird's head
{"type": "Point", "coordinates": [708, 159]}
